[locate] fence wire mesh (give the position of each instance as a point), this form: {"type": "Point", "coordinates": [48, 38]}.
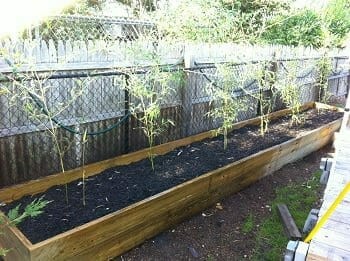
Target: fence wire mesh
{"type": "Point", "coordinates": [95, 105]}
{"type": "Point", "coordinates": [79, 27]}
{"type": "Point", "coordinates": [39, 111]}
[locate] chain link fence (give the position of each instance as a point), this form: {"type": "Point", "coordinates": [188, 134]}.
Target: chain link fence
{"type": "Point", "coordinates": [82, 105]}
{"type": "Point", "coordinates": [96, 106]}
{"type": "Point", "coordinates": [79, 27]}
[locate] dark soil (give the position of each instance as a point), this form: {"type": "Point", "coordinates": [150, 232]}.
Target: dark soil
{"type": "Point", "coordinates": [217, 233]}
{"type": "Point", "coordinates": [119, 187]}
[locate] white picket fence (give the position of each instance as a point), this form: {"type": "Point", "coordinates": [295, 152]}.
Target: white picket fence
{"type": "Point", "coordinates": [86, 55]}
{"type": "Point", "coordinates": [79, 55]}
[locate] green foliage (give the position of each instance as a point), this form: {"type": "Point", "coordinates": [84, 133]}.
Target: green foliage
{"type": "Point", "coordinates": [290, 94]}
{"type": "Point", "coordinates": [84, 141]}
{"type": "Point", "coordinates": [198, 20]}
{"type": "Point", "coordinates": [303, 27]}
{"type": "Point", "coordinates": [33, 209]}
{"type": "Point", "coordinates": [90, 6]}
{"type": "Point", "coordinates": [300, 198]}
{"type": "Point", "coordinates": [3, 90]}
{"type": "Point", "coordinates": [337, 20]}
{"type": "Point", "coordinates": [59, 29]}
{"type": "Point", "coordinates": [35, 101]}
{"type": "Point", "coordinates": [252, 21]}
{"type": "Point", "coordinates": [218, 21]}
{"type": "Point", "coordinates": [149, 91]}
{"type": "Point", "coordinates": [253, 14]}
{"type": "Point", "coordinates": [226, 107]}
{"type": "Point", "coordinates": [248, 224]}
{"type": "Point", "coordinates": [263, 76]}
{"type": "Point", "coordinates": [289, 89]}
{"type": "Point", "coordinates": [3, 252]}
{"type": "Point", "coordinates": [84, 7]}
{"type": "Point", "coordinates": [252, 6]}
{"type": "Point", "coordinates": [324, 69]}
{"type": "Point", "coordinates": [266, 79]}
{"type": "Point", "coordinates": [16, 216]}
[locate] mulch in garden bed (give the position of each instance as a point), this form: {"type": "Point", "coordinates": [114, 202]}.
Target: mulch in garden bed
{"type": "Point", "coordinates": [119, 187]}
{"type": "Point", "coordinates": [217, 233]}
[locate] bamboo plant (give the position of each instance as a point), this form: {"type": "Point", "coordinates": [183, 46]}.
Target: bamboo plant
{"type": "Point", "coordinates": [324, 69]}
{"type": "Point", "coordinates": [225, 106]}
{"type": "Point", "coordinates": [289, 88]}
{"type": "Point", "coordinates": [31, 92]}
{"type": "Point", "coordinates": [149, 91]}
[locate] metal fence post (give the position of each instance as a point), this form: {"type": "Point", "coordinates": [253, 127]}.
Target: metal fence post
{"type": "Point", "coordinates": [186, 93]}
{"type": "Point", "coordinates": [127, 111]}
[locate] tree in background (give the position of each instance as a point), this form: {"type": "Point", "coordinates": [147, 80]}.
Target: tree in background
{"type": "Point", "coordinates": [249, 21]}
{"type": "Point", "coordinates": [89, 7]}
{"type": "Point", "coordinates": [337, 21]}
{"type": "Point", "coordinates": [198, 20]}
{"type": "Point", "coordinates": [254, 14]}
{"type": "Point", "coordinates": [217, 21]}
{"type": "Point", "coordinates": [303, 27]}
{"type": "Point", "coordinates": [328, 27]}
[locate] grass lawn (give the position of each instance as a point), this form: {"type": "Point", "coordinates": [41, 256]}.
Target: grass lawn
{"type": "Point", "coordinates": [300, 198]}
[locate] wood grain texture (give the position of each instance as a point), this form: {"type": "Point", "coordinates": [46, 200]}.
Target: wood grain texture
{"type": "Point", "coordinates": [331, 241]}
{"type": "Point", "coordinates": [319, 251]}
{"type": "Point", "coordinates": [288, 222]}
{"type": "Point", "coordinates": [165, 209]}
{"type": "Point", "coordinates": [118, 232]}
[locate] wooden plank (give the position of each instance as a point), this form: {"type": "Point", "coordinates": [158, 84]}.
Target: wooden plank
{"type": "Point", "coordinates": [320, 251]}
{"type": "Point", "coordinates": [170, 200]}
{"type": "Point", "coordinates": [246, 165]}
{"type": "Point", "coordinates": [337, 215]}
{"type": "Point", "coordinates": [302, 151]}
{"type": "Point", "coordinates": [319, 105]}
{"type": "Point", "coordinates": [333, 239]}
{"type": "Point", "coordinates": [338, 226]}
{"type": "Point", "coordinates": [329, 198]}
{"type": "Point", "coordinates": [302, 146]}
{"type": "Point", "coordinates": [117, 232]}
{"type": "Point", "coordinates": [289, 225]}
{"type": "Point", "coordinates": [232, 178]}
{"type": "Point", "coordinates": [176, 201]}
{"type": "Point", "coordinates": [123, 222]}
{"type": "Point", "coordinates": [341, 213]}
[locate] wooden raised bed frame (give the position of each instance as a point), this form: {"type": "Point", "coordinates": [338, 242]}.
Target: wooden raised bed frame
{"type": "Point", "coordinates": [115, 233]}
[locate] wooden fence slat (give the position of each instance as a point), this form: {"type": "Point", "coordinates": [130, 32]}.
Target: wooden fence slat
{"type": "Point", "coordinates": [289, 225]}
{"type": "Point", "coordinates": [44, 52]}
{"type": "Point", "coordinates": [61, 52]}
{"type": "Point", "coordinates": [52, 52]}
{"type": "Point", "coordinates": [169, 53]}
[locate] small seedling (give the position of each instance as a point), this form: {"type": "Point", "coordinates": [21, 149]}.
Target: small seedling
{"type": "Point", "coordinates": [15, 216]}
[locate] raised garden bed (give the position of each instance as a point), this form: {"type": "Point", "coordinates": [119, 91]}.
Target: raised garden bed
{"type": "Point", "coordinates": [158, 205]}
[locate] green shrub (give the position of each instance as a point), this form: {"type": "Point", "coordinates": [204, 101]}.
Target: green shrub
{"type": "Point", "coordinates": [301, 28]}
{"type": "Point", "coordinates": [337, 20]}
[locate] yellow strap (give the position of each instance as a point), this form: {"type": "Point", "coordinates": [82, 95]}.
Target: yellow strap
{"type": "Point", "coordinates": [328, 213]}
